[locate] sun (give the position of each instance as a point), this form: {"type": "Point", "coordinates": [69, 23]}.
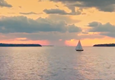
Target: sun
{"type": "Point", "coordinates": [72, 40]}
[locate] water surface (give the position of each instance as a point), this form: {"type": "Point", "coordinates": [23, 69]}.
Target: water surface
{"type": "Point", "coordinates": [57, 63]}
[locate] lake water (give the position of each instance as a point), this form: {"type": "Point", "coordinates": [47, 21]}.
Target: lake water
{"type": "Point", "coordinates": [57, 63]}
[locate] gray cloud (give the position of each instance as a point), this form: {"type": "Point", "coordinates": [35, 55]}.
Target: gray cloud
{"type": "Point", "coordinates": [110, 34]}
{"type": "Point", "coordinates": [105, 29]}
{"type": "Point", "coordinates": [23, 24]}
{"type": "Point", "coordinates": [98, 27]}
{"type": "Point", "coordinates": [103, 5]}
{"type": "Point", "coordinates": [3, 3]}
{"type": "Point", "coordinates": [29, 13]}
{"type": "Point", "coordinates": [61, 12]}
{"type": "Point", "coordinates": [51, 36]}
{"type": "Point", "coordinates": [52, 29]}
{"type": "Point", "coordinates": [55, 11]}
{"type": "Point", "coordinates": [94, 24]}
{"type": "Point", "coordinates": [73, 28]}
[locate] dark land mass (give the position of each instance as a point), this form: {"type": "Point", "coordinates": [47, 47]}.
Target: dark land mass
{"type": "Point", "coordinates": [104, 45]}
{"type": "Point", "coordinates": [20, 45]}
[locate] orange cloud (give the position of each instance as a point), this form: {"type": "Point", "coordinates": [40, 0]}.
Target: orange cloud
{"type": "Point", "coordinates": [23, 41]}
{"type": "Point", "coordinates": [90, 42]}
{"type": "Point", "coordinates": [21, 38]}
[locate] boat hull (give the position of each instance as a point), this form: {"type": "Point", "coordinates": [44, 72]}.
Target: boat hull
{"type": "Point", "coordinates": [79, 50]}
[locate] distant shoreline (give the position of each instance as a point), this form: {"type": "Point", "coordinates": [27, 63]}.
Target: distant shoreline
{"type": "Point", "coordinates": [19, 45]}
{"type": "Point", "coordinates": [104, 45]}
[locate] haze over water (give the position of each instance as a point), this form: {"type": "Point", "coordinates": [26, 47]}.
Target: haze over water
{"type": "Point", "coordinates": [57, 63]}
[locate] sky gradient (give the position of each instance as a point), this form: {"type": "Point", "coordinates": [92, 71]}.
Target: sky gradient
{"type": "Point", "coordinates": [57, 22]}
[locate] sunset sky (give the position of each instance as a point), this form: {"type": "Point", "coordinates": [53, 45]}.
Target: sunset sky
{"type": "Point", "coordinates": [57, 22]}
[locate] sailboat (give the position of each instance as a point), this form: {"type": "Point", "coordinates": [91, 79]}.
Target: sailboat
{"type": "Point", "coordinates": [79, 46]}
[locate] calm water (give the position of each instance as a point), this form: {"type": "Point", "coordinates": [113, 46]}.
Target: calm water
{"type": "Point", "coordinates": [57, 63]}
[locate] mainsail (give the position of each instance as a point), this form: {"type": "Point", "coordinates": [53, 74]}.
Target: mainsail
{"type": "Point", "coordinates": [79, 47]}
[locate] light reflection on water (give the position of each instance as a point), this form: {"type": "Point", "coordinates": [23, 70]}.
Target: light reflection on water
{"type": "Point", "coordinates": [57, 63]}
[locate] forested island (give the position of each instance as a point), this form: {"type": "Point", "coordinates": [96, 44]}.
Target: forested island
{"type": "Point", "coordinates": [104, 45]}
{"type": "Point", "coordinates": [19, 45]}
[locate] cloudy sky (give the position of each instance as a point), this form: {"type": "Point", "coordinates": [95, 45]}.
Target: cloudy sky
{"type": "Point", "coordinates": [57, 22]}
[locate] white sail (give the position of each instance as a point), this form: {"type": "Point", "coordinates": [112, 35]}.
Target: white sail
{"type": "Point", "coordinates": [79, 47]}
